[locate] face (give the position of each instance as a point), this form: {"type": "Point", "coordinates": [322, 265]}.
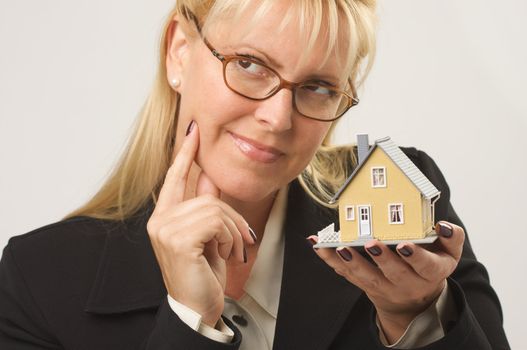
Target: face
{"type": "Point", "coordinates": [249, 149]}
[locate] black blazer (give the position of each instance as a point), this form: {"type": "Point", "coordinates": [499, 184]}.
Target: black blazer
{"type": "Point", "coordinates": [85, 283]}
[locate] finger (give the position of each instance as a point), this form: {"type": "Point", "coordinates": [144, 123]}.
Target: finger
{"type": "Point", "coordinates": [207, 189]}
{"type": "Point", "coordinates": [201, 203]}
{"type": "Point", "coordinates": [200, 214]}
{"type": "Point", "coordinates": [206, 186]}
{"type": "Point", "coordinates": [198, 229]}
{"type": "Point", "coordinates": [226, 242]}
{"type": "Point", "coordinates": [348, 263]}
{"type": "Point", "coordinates": [431, 266]}
{"type": "Point", "coordinates": [392, 266]}
{"type": "Point", "coordinates": [215, 261]}
{"type": "Point", "coordinates": [451, 238]}
{"type": "Point", "coordinates": [173, 189]}
{"type": "Point", "coordinates": [238, 248]}
{"type": "Point", "coordinates": [207, 228]}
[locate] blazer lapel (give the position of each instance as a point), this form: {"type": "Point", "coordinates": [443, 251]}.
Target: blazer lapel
{"type": "Point", "coordinates": [314, 300]}
{"type": "Point", "coordinates": [128, 277]}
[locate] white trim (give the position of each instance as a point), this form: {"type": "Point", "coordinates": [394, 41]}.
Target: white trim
{"type": "Point", "coordinates": [352, 216]}
{"type": "Point", "coordinates": [383, 168]}
{"type": "Point", "coordinates": [425, 208]}
{"type": "Point", "coordinates": [390, 214]}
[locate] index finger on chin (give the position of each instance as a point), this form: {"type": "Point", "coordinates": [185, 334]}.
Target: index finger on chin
{"type": "Point", "coordinates": [173, 189]}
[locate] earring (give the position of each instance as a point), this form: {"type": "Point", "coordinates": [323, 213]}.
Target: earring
{"type": "Point", "coordinates": [175, 82]}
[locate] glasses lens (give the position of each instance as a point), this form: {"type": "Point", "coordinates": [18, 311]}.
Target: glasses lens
{"type": "Point", "coordinates": [250, 78]}
{"type": "Point", "coordinates": [320, 102]}
{"type": "Point", "coordinates": [254, 80]}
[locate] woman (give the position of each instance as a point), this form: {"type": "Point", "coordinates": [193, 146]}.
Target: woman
{"type": "Point", "coordinates": [199, 239]}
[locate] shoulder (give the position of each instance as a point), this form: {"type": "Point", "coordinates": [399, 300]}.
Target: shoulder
{"type": "Point", "coordinates": [70, 233]}
{"type": "Point", "coordinates": [428, 166]}
{"type": "Point", "coordinates": [59, 261]}
{"type": "Point", "coordinates": [68, 248]}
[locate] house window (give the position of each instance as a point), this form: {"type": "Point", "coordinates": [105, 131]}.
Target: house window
{"type": "Point", "coordinates": [396, 213]}
{"type": "Point", "coordinates": [378, 177]}
{"type": "Point", "coordinates": [350, 213]}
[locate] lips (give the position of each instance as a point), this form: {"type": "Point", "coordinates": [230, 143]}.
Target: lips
{"type": "Point", "coordinates": [255, 150]}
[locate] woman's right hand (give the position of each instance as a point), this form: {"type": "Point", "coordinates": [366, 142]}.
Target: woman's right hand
{"type": "Point", "coordinates": [193, 238]}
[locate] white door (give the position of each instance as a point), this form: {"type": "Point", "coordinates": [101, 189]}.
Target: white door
{"type": "Point", "coordinates": [364, 221]}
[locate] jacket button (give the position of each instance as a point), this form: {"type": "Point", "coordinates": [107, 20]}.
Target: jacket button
{"type": "Point", "coordinates": [239, 319]}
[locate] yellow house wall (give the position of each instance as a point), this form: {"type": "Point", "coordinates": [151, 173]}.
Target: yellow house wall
{"type": "Point", "coordinates": [399, 189]}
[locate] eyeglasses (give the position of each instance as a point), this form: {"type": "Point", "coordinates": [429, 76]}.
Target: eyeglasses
{"type": "Point", "coordinates": [254, 80]}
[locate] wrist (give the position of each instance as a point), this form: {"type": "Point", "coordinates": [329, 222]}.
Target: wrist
{"type": "Point", "coordinates": [393, 326]}
{"type": "Point", "coordinates": [212, 315]}
{"type": "Point", "coordinates": [211, 321]}
{"type": "Point", "coordinates": [193, 315]}
{"type": "Point", "coordinates": [395, 322]}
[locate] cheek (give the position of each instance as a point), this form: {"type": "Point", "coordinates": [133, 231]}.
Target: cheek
{"type": "Point", "coordinates": [206, 100]}
{"type": "Point", "coordinates": [310, 137]}
{"type": "Point", "coordinates": [307, 142]}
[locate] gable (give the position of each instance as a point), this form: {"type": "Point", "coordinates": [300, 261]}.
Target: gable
{"type": "Point", "coordinates": [399, 159]}
{"type": "Point", "coordinates": [397, 183]}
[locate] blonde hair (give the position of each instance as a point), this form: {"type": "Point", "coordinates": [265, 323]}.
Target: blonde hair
{"type": "Point", "coordinates": [139, 173]}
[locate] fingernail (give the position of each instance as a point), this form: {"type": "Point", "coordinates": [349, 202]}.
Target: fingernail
{"type": "Point", "coordinates": [344, 253]}
{"type": "Point", "coordinates": [313, 241]}
{"type": "Point", "coordinates": [375, 251]}
{"type": "Point", "coordinates": [445, 230]}
{"type": "Point", "coordinates": [253, 235]}
{"type": "Point", "coordinates": [405, 251]}
{"type": "Point", "coordinates": [190, 127]}
{"type": "Point", "coordinates": [244, 255]}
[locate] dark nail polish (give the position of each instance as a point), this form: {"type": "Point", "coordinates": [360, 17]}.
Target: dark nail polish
{"type": "Point", "coordinates": [344, 254]}
{"type": "Point", "coordinates": [190, 127]}
{"type": "Point", "coordinates": [253, 235]}
{"type": "Point", "coordinates": [445, 230]}
{"type": "Point", "coordinates": [244, 255]}
{"type": "Point", "coordinates": [406, 251]}
{"type": "Point", "coordinates": [375, 251]}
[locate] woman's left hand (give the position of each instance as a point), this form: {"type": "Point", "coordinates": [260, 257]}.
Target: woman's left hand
{"type": "Point", "coordinates": [403, 284]}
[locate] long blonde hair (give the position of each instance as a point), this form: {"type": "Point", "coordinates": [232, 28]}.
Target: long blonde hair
{"type": "Point", "coordinates": [139, 173]}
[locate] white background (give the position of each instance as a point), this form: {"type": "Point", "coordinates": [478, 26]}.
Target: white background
{"type": "Point", "coordinates": [450, 78]}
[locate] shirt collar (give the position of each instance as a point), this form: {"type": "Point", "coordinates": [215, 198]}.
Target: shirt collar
{"type": "Point", "coordinates": [264, 282]}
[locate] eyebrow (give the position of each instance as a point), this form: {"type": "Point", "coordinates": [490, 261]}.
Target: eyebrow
{"type": "Point", "coordinates": [261, 52]}
{"type": "Point", "coordinates": [334, 80]}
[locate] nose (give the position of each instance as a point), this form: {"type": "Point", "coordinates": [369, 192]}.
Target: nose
{"type": "Point", "coordinates": [276, 112]}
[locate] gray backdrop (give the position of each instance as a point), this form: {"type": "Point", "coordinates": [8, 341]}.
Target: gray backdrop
{"type": "Point", "coordinates": [449, 78]}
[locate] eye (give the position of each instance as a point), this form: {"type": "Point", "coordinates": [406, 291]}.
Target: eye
{"type": "Point", "coordinates": [251, 67]}
{"type": "Point", "coordinates": [320, 90]}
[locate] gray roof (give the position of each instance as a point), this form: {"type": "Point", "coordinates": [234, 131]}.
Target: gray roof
{"type": "Point", "coordinates": [427, 189]}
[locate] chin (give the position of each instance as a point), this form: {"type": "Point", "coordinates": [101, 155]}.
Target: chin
{"type": "Point", "coordinates": [242, 181]}
{"type": "Point", "coordinates": [247, 190]}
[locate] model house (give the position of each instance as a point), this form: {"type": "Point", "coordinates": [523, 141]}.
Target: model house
{"type": "Point", "coordinates": [386, 198]}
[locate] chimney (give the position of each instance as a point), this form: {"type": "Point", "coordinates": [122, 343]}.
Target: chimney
{"type": "Point", "coordinates": [363, 146]}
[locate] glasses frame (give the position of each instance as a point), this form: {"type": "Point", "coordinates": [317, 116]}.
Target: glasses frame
{"type": "Point", "coordinates": [284, 84]}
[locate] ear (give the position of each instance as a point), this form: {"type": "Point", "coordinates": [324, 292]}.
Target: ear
{"type": "Point", "coordinates": [177, 41]}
